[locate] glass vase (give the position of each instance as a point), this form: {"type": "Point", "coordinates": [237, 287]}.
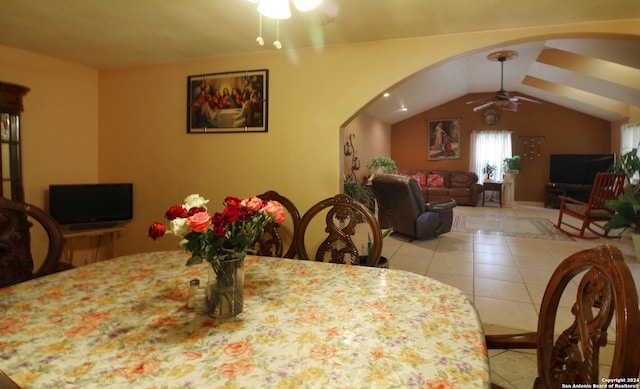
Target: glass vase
{"type": "Point", "coordinates": [225, 288]}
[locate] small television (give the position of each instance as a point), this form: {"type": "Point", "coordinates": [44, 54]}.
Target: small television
{"type": "Point", "coordinates": [578, 169]}
{"type": "Point", "coordinates": [85, 206]}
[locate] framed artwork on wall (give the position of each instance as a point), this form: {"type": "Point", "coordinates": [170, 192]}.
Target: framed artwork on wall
{"type": "Point", "coordinates": [228, 102]}
{"type": "Point", "coordinates": [444, 139]}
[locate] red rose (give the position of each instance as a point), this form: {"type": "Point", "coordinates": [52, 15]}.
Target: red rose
{"type": "Point", "coordinates": [232, 201]}
{"type": "Point", "coordinates": [157, 230]}
{"type": "Point", "coordinates": [231, 213]}
{"type": "Point", "coordinates": [195, 210]}
{"type": "Point", "coordinates": [220, 232]}
{"type": "Point", "coordinates": [219, 225]}
{"type": "Point", "coordinates": [246, 213]}
{"type": "Point", "coordinates": [175, 212]}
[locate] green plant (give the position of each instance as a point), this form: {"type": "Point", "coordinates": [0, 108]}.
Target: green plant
{"type": "Point", "coordinates": [370, 242]}
{"type": "Point", "coordinates": [488, 169]}
{"type": "Point", "coordinates": [361, 193]}
{"type": "Point", "coordinates": [383, 162]}
{"type": "Point", "coordinates": [627, 213]}
{"type": "Point", "coordinates": [512, 163]}
{"type": "Point", "coordinates": [629, 164]}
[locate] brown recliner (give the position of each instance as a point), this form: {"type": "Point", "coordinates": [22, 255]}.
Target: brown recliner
{"type": "Point", "coordinates": [402, 207]}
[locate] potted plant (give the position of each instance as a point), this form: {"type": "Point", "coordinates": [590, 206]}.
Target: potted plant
{"type": "Point", "coordinates": [510, 164]}
{"type": "Point", "coordinates": [630, 165]}
{"type": "Point", "coordinates": [361, 193]}
{"type": "Point", "coordinates": [387, 164]}
{"type": "Point", "coordinates": [627, 207]}
{"type": "Point", "coordinates": [488, 171]}
{"type": "Point", "coordinates": [382, 261]}
{"type": "Point", "coordinates": [381, 165]}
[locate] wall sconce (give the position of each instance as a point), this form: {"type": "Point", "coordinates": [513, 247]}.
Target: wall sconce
{"type": "Point", "coordinates": [348, 146]}
{"type": "Point", "coordinates": [355, 162]}
{"type": "Point", "coordinates": [349, 150]}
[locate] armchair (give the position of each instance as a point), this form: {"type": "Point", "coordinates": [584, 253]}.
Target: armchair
{"type": "Point", "coordinates": [402, 206]}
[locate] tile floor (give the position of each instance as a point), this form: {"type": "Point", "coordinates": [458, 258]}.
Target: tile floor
{"type": "Point", "coordinates": [505, 277]}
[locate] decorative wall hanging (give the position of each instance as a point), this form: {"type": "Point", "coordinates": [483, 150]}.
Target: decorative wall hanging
{"type": "Point", "coordinates": [531, 145]}
{"type": "Point", "coordinates": [228, 102]}
{"type": "Point", "coordinates": [490, 116]}
{"type": "Point", "coordinates": [444, 139]}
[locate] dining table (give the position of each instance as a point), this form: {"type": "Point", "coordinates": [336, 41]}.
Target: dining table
{"type": "Point", "coordinates": [124, 323]}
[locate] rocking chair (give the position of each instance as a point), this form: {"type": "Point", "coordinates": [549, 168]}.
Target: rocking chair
{"type": "Point", "coordinates": [606, 186]}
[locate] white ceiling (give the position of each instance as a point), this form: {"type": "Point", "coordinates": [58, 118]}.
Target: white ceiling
{"type": "Point", "coordinates": [474, 73]}
{"type": "Point", "coordinates": [119, 33]}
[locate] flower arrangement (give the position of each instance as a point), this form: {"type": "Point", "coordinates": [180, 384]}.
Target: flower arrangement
{"type": "Point", "coordinates": [224, 235]}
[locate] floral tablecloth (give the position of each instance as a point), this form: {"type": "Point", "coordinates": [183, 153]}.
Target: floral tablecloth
{"type": "Point", "coordinates": [124, 323]}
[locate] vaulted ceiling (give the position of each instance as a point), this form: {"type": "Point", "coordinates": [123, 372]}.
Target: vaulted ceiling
{"type": "Point", "coordinates": [595, 76]}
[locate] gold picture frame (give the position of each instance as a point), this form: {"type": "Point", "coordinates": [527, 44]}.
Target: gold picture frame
{"type": "Point", "coordinates": [228, 102]}
{"type": "Point", "coordinates": [444, 139]}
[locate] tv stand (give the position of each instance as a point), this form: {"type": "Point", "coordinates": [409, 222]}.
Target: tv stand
{"type": "Point", "coordinates": [70, 235]}
{"type": "Point", "coordinates": [576, 191]}
{"type": "Point", "coordinates": [91, 226]}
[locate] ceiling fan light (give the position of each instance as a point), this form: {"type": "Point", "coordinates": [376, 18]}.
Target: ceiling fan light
{"type": "Point", "coordinates": [306, 5]}
{"type": "Point", "coordinates": [276, 9]}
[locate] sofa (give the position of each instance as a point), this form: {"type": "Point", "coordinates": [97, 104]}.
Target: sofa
{"type": "Point", "coordinates": [441, 185]}
{"type": "Point", "coordinates": [401, 207]}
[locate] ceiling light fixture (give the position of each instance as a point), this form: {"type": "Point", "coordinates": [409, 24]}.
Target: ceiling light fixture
{"type": "Point", "coordinates": [279, 9]}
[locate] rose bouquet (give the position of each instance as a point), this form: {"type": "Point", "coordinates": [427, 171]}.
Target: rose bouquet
{"type": "Point", "coordinates": [223, 239]}
{"type": "Point", "coordinates": [227, 234]}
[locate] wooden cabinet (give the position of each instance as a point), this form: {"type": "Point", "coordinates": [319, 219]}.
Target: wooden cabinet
{"type": "Point", "coordinates": [10, 162]}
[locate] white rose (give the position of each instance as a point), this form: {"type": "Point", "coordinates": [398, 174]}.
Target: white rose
{"type": "Point", "coordinates": [195, 200]}
{"type": "Point", "coordinates": [178, 226]}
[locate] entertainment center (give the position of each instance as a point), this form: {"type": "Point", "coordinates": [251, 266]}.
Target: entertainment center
{"type": "Point", "coordinates": [573, 175]}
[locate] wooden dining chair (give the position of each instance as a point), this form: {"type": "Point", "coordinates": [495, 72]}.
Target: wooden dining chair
{"type": "Point", "coordinates": [271, 244]}
{"type": "Point", "coordinates": [7, 383]}
{"type": "Point", "coordinates": [340, 225]}
{"type": "Point", "coordinates": [16, 261]}
{"type": "Point", "coordinates": [593, 213]}
{"type": "Point", "coordinates": [606, 291]}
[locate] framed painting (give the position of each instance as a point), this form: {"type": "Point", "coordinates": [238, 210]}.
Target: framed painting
{"type": "Point", "coordinates": [228, 102]}
{"type": "Point", "coordinates": [444, 139]}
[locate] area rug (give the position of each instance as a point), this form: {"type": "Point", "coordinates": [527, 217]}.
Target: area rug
{"type": "Point", "coordinates": [522, 227]}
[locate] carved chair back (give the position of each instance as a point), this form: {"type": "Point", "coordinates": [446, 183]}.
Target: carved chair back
{"type": "Point", "coordinates": [16, 261]}
{"type": "Point", "coordinates": [272, 244]}
{"type": "Point", "coordinates": [342, 216]}
{"type": "Point", "coordinates": [606, 291]}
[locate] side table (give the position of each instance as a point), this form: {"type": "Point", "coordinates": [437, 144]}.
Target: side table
{"type": "Point", "coordinates": [492, 186]}
{"type": "Point", "coordinates": [71, 235]}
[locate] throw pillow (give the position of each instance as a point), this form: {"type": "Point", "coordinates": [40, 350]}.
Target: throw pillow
{"type": "Point", "coordinates": [435, 181]}
{"type": "Point", "coordinates": [421, 178]}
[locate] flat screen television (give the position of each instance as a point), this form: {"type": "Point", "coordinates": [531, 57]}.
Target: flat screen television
{"type": "Point", "coordinates": [578, 169]}
{"type": "Point", "coordinates": [83, 206]}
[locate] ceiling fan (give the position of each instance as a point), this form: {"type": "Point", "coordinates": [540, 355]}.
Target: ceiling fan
{"type": "Point", "coordinates": [502, 98]}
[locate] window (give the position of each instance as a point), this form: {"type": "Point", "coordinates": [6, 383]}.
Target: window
{"type": "Point", "coordinates": [490, 147]}
{"type": "Point", "coordinates": [629, 137]}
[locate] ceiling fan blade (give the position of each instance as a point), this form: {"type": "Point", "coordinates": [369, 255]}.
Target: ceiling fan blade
{"type": "Point", "coordinates": [512, 106]}
{"type": "Point", "coordinates": [483, 106]}
{"type": "Point", "coordinates": [526, 99]}
{"type": "Point", "coordinates": [484, 100]}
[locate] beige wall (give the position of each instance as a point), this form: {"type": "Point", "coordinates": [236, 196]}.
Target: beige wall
{"type": "Point", "coordinates": [372, 138]}
{"type": "Point", "coordinates": [141, 120]}
{"type": "Point", "coordinates": [59, 123]}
